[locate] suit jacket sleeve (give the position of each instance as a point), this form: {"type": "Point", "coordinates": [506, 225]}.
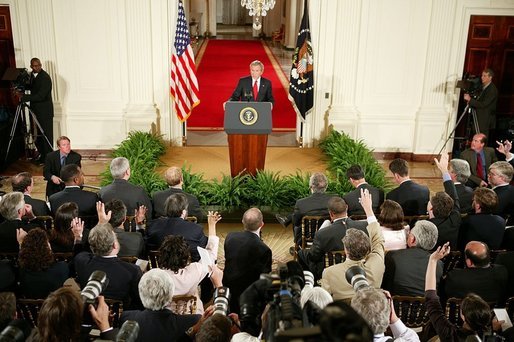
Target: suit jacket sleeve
{"type": "Point", "coordinates": [486, 99]}
{"type": "Point", "coordinates": [238, 93]}
{"type": "Point", "coordinates": [269, 93]}
{"type": "Point", "coordinates": [449, 188]}
{"type": "Point", "coordinates": [43, 91]}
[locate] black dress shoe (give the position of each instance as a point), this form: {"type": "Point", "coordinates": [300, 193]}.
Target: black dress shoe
{"type": "Point", "coordinates": [282, 220]}
{"type": "Point", "coordinates": [291, 250]}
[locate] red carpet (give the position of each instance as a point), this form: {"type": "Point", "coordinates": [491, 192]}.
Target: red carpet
{"type": "Point", "coordinates": [219, 70]}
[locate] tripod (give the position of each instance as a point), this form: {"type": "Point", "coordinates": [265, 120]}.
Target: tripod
{"type": "Point", "coordinates": [468, 110]}
{"type": "Point", "coordinates": [20, 117]}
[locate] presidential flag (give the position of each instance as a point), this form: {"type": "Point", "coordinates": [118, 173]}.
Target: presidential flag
{"type": "Point", "coordinates": [301, 81]}
{"type": "Point", "coordinates": [183, 82]}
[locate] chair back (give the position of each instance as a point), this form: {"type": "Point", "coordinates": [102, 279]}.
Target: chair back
{"type": "Point", "coordinates": [183, 305]}
{"type": "Point", "coordinates": [66, 257]}
{"type": "Point", "coordinates": [130, 259]}
{"type": "Point", "coordinates": [494, 253]}
{"type": "Point", "coordinates": [310, 225]}
{"type": "Point", "coordinates": [411, 310]}
{"type": "Point", "coordinates": [153, 258]}
{"type": "Point", "coordinates": [192, 219]}
{"type": "Point", "coordinates": [115, 311]}
{"type": "Point", "coordinates": [509, 306]}
{"type": "Point", "coordinates": [46, 221]}
{"type": "Point", "coordinates": [452, 310]}
{"type": "Point", "coordinates": [334, 257]}
{"type": "Point", "coordinates": [28, 309]}
{"type": "Point", "coordinates": [451, 261]}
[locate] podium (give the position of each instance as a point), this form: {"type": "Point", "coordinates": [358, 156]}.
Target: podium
{"type": "Point", "coordinates": [247, 125]}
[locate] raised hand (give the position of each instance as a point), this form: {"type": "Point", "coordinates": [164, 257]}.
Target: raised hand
{"type": "Point", "coordinates": [103, 217]}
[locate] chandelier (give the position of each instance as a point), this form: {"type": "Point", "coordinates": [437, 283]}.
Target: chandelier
{"type": "Point", "coordinates": [258, 9]}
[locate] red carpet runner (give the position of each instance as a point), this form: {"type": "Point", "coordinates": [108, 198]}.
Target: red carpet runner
{"type": "Point", "coordinates": [219, 70]}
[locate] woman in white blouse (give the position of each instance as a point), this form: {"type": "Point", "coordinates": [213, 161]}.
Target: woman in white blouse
{"type": "Point", "coordinates": [393, 226]}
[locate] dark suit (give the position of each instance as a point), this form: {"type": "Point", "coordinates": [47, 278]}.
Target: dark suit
{"type": "Point", "coordinates": [40, 99]}
{"type": "Point", "coordinates": [405, 271]}
{"type": "Point", "coordinates": [505, 202]}
{"type": "Point", "coordinates": [159, 198]}
{"type": "Point", "coordinates": [448, 227]}
{"type": "Point", "coordinates": [53, 168]}
{"type": "Point", "coordinates": [159, 228]}
{"type": "Point", "coordinates": [315, 204]}
{"type": "Point", "coordinates": [470, 156]}
{"type": "Point", "coordinates": [412, 197]}
{"type": "Point", "coordinates": [507, 259]}
{"type": "Point", "coordinates": [485, 107]}
{"type": "Point", "coordinates": [123, 276]}
{"type": "Point", "coordinates": [39, 207]}
{"type": "Point", "coordinates": [465, 194]}
{"type": "Point", "coordinates": [85, 200]}
{"type": "Point", "coordinates": [246, 257]}
{"type": "Point", "coordinates": [244, 90]}
{"type": "Point", "coordinates": [8, 241]}
{"type": "Point", "coordinates": [487, 228]}
{"type": "Point", "coordinates": [131, 243]}
{"type": "Point", "coordinates": [160, 325]}
{"type": "Point", "coordinates": [128, 193]}
{"type": "Point", "coordinates": [352, 199]}
{"type": "Point", "coordinates": [326, 240]}
{"type": "Point", "coordinates": [489, 283]}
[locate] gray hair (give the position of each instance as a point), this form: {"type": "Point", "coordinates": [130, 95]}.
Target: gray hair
{"type": "Point", "coordinates": [318, 182]}
{"type": "Point", "coordinates": [252, 219]}
{"type": "Point", "coordinates": [357, 244]}
{"type": "Point", "coordinates": [11, 204]}
{"type": "Point", "coordinates": [504, 170]}
{"type": "Point", "coordinates": [425, 233]}
{"type": "Point", "coordinates": [156, 289]}
{"type": "Point", "coordinates": [373, 306]}
{"type": "Point", "coordinates": [257, 62]}
{"type": "Point", "coordinates": [101, 239]}
{"type": "Point", "coordinates": [461, 169]}
{"type": "Point", "coordinates": [119, 166]}
{"type": "Point", "coordinates": [317, 295]}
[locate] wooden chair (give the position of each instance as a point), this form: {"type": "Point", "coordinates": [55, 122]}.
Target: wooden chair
{"type": "Point", "coordinates": [115, 311]}
{"type": "Point", "coordinates": [46, 221]}
{"type": "Point", "coordinates": [130, 224]}
{"type": "Point", "coordinates": [334, 257]}
{"type": "Point", "coordinates": [193, 219]}
{"type": "Point", "coordinates": [452, 310]}
{"type": "Point", "coordinates": [153, 259]}
{"type": "Point", "coordinates": [411, 310]}
{"type": "Point", "coordinates": [28, 309]}
{"type": "Point", "coordinates": [183, 305]}
{"type": "Point", "coordinates": [451, 261]}
{"type": "Point", "coordinates": [494, 253]}
{"type": "Point", "coordinates": [310, 225]}
{"type": "Point", "coordinates": [66, 257]}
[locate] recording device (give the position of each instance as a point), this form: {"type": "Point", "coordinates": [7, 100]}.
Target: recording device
{"type": "Point", "coordinates": [470, 84]}
{"type": "Point", "coordinates": [221, 300]}
{"type": "Point", "coordinates": [309, 278]}
{"type": "Point", "coordinates": [19, 78]}
{"type": "Point", "coordinates": [96, 283]}
{"type": "Point", "coordinates": [247, 96]}
{"type": "Point", "coordinates": [129, 332]}
{"type": "Point", "coordinates": [17, 330]}
{"type": "Point", "coordinates": [356, 276]}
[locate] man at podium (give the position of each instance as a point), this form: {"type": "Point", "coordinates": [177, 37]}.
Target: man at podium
{"type": "Point", "coordinates": [254, 88]}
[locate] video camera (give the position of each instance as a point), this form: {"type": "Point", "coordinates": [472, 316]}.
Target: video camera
{"type": "Point", "coordinates": [19, 78]}
{"type": "Point", "coordinates": [470, 84]}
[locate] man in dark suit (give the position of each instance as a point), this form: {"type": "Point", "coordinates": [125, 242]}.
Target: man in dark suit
{"type": "Point", "coordinates": [24, 183]}
{"type": "Point", "coordinates": [246, 256]}
{"type": "Point", "coordinates": [175, 223]}
{"type": "Point", "coordinates": [459, 173]}
{"type": "Point", "coordinates": [412, 197]}
{"type": "Point", "coordinates": [499, 177]}
{"type": "Point", "coordinates": [123, 276]}
{"type": "Point", "coordinates": [40, 99]}
{"type": "Point", "coordinates": [254, 87]}
{"type": "Point", "coordinates": [133, 196]}
{"type": "Point", "coordinates": [73, 178]}
{"type": "Point", "coordinates": [479, 158]}
{"type": "Point", "coordinates": [485, 104]}
{"type": "Point", "coordinates": [16, 213]}
{"type": "Point", "coordinates": [173, 177]}
{"type": "Point", "coordinates": [330, 238]}
{"type": "Point", "coordinates": [356, 176]}
{"type": "Point", "coordinates": [54, 161]}
{"type": "Point", "coordinates": [483, 225]}
{"type": "Point", "coordinates": [444, 208]}
{"type": "Point", "coordinates": [406, 268]}
{"type": "Point", "coordinates": [131, 243]}
{"type": "Point", "coordinates": [480, 277]}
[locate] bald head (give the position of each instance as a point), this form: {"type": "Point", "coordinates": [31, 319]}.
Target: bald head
{"type": "Point", "coordinates": [477, 254]}
{"type": "Point", "coordinates": [252, 219]}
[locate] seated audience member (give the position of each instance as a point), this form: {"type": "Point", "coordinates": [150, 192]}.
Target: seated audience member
{"type": "Point", "coordinates": [412, 197]}
{"type": "Point", "coordinates": [40, 274]}
{"type": "Point", "coordinates": [7, 308]}
{"type": "Point", "coordinates": [216, 328]}
{"type": "Point", "coordinates": [474, 311]}
{"type": "Point", "coordinates": [355, 174]}
{"type": "Point", "coordinates": [133, 196]}
{"type": "Point", "coordinates": [157, 322]}
{"type": "Point", "coordinates": [444, 208]}
{"type": "Point", "coordinates": [61, 235]}
{"type": "Point", "coordinates": [175, 258]}
{"type": "Point", "coordinates": [123, 276]}
{"type": "Point", "coordinates": [405, 268]}
{"type": "Point", "coordinates": [393, 226]}
{"type": "Point", "coordinates": [13, 208]}
{"type": "Point", "coordinates": [339, 322]}
{"type": "Point", "coordinates": [131, 243]}
{"type": "Point", "coordinates": [376, 307]}
{"type": "Point", "coordinates": [479, 158]}
{"type": "Point", "coordinates": [73, 178]}
{"type": "Point", "coordinates": [317, 295]}
{"type": "Point", "coordinates": [315, 204]}
{"type": "Point", "coordinates": [54, 161]}
{"type": "Point", "coordinates": [175, 223]}
{"type": "Point", "coordinates": [459, 173]}
{"type": "Point", "coordinates": [329, 238]}
{"type": "Point", "coordinates": [60, 318]}
{"type": "Point", "coordinates": [500, 176]}
{"type": "Point", "coordinates": [487, 280]}
{"type": "Point", "coordinates": [246, 256]}
{"type": "Point", "coordinates": [362, 250]}
{"type": "Point", "coordinates": [483, 225]}
{"type": "Point", "coordinates": [175, 180]}
{"type": "Point", "coordinates": [24, 183]}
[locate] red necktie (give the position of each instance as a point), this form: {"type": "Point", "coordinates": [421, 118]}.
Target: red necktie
{"type": "Point", "coordinates": [480, 170]}
{"type": "Point", "coordinates": [255, 90]}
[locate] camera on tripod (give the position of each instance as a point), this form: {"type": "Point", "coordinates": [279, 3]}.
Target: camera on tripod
{"type": "Point", "coordinates": [19, 78]}
{"type": "Point", "coordinates": [470, 84]}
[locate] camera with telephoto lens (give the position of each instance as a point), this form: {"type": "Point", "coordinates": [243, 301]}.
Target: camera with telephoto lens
{"type": "Point", "coordinates": [21, 82]}
{"type": "Point", "coordinates": [17, 330]}
{"type": "Point", "coordinates": [356, 276]}
{"type": "Point", "coordinates": [96, 283]}
{"type": "Point", "coordinates": [222, 300]}
{"type": "Point", "coordinates": [129, 332]}
{"type": "Point", "coordinates": [470, 84]}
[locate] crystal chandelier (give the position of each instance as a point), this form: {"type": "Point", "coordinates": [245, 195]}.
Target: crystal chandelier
{"type": "Point", "coordinates": [258, 9]}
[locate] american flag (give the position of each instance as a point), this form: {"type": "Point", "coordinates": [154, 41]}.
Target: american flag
{"type": "Point", "coordinates": [183, 83]}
